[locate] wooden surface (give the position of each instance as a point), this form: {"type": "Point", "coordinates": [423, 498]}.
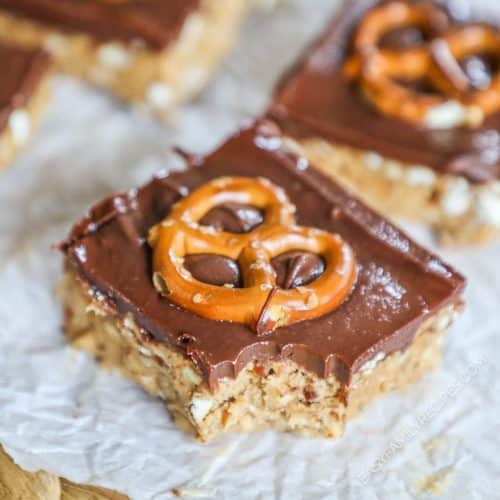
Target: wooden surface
{"type": "Point", "coordinates": [17, 484]}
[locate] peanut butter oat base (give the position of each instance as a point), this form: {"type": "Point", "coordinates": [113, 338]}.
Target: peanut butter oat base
{"type": "Point", "coordinates": [459, 211]}
{"type": "Point", "coordinates": [277, 394]}
{"type": "Point", "coordinates": [22, 123]}
{"type": "Point", "coordinates": [157, 80]}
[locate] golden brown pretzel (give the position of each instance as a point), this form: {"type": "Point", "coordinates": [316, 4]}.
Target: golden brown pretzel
{"type": "Point", "coordinates": [473, 39]}
{"type": "Point", "coordinates": [259, 303]}
{"type": "Point", "coordinates": [377, 70]}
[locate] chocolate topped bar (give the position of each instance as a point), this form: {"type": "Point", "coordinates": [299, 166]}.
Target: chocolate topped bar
{"type": "Point", "coordinates": [397, 284]}
{"type": "Point", "coordinates": [155, 22]}
{"type": "Point", "coordinates": [318, 98]}
{"type": "Point", "coordinates": [22, 71]}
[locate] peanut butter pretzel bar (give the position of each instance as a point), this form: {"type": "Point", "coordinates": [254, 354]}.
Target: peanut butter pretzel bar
{"type": "Point", "coordinates": [24, 92]}
{"type": "Point", "coordinates": [399, 101]}
{"type": "Point", "coordinates": [249, 292]}
{"type": "Point", "coordinates": [156, 53]}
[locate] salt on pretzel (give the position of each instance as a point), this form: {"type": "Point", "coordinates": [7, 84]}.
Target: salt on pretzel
{"type": "Point", "coordinates": [378, 70]}
{"type": "Point", "coordinates": [259, 303]}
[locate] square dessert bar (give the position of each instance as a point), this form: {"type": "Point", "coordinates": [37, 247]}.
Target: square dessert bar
{"type": "Point", "coordinates": [400, 102]}
{"type": "Point", "coordinates": [250, 291]}
{"type": "Point", "coordinates": [152, 52]}
{"type": "Point", "coordinates": [24, 92]}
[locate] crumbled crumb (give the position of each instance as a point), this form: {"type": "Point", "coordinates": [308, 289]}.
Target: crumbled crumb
{"type": "Point", "coordinates": [436, 483]}
{"type": "Point", "coordinates": [309, 393]}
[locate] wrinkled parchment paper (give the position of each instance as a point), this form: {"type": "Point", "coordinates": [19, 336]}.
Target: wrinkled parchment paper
{"type": "Point", "coordinates": [60, 413]}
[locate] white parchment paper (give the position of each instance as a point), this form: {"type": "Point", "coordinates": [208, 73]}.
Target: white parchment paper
{"type": "Point", "coordinates": [60, 413]}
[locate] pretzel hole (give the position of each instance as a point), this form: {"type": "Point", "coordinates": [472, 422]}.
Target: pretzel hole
{"type": "Point", "coordinates": [297, 268]}
{"type": "Point", "coordinates": [233, 218]}
{"type": "Point", "coordinates": [400, 26]}
{"type": "Point", "coordinates": [404, 38]}
{"type": "Point", "coordinates": [479, 69]}
{"type": "Point", "coordinates": [213, 269]}
{"type": "Point", "coordinates": [419, 85]}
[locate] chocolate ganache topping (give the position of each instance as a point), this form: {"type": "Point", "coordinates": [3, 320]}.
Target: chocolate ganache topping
{"type": "Point", "coordinates": [22, 72]}
{"type": "Point", "coordinates": [155, 22]}
{"type": "Point", "coordinates": [316, 99]}
{"type": "Point", "coordinates": [398, 286]}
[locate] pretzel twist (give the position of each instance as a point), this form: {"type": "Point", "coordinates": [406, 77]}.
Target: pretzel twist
{"type": "Point", "coordinates": [378, 70]}
{"type": "Point", "coordinates": [259, 303]}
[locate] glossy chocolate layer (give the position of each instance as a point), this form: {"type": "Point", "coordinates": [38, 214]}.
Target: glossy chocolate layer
{"type": "Point", "coordinates": [316, 99]}
{"type": "Point", "coordinates": [22, 70]}
{"type": "Point", "coordinates": [399, 283]}
{"type": "Point", "coordinates": [155, 22]}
